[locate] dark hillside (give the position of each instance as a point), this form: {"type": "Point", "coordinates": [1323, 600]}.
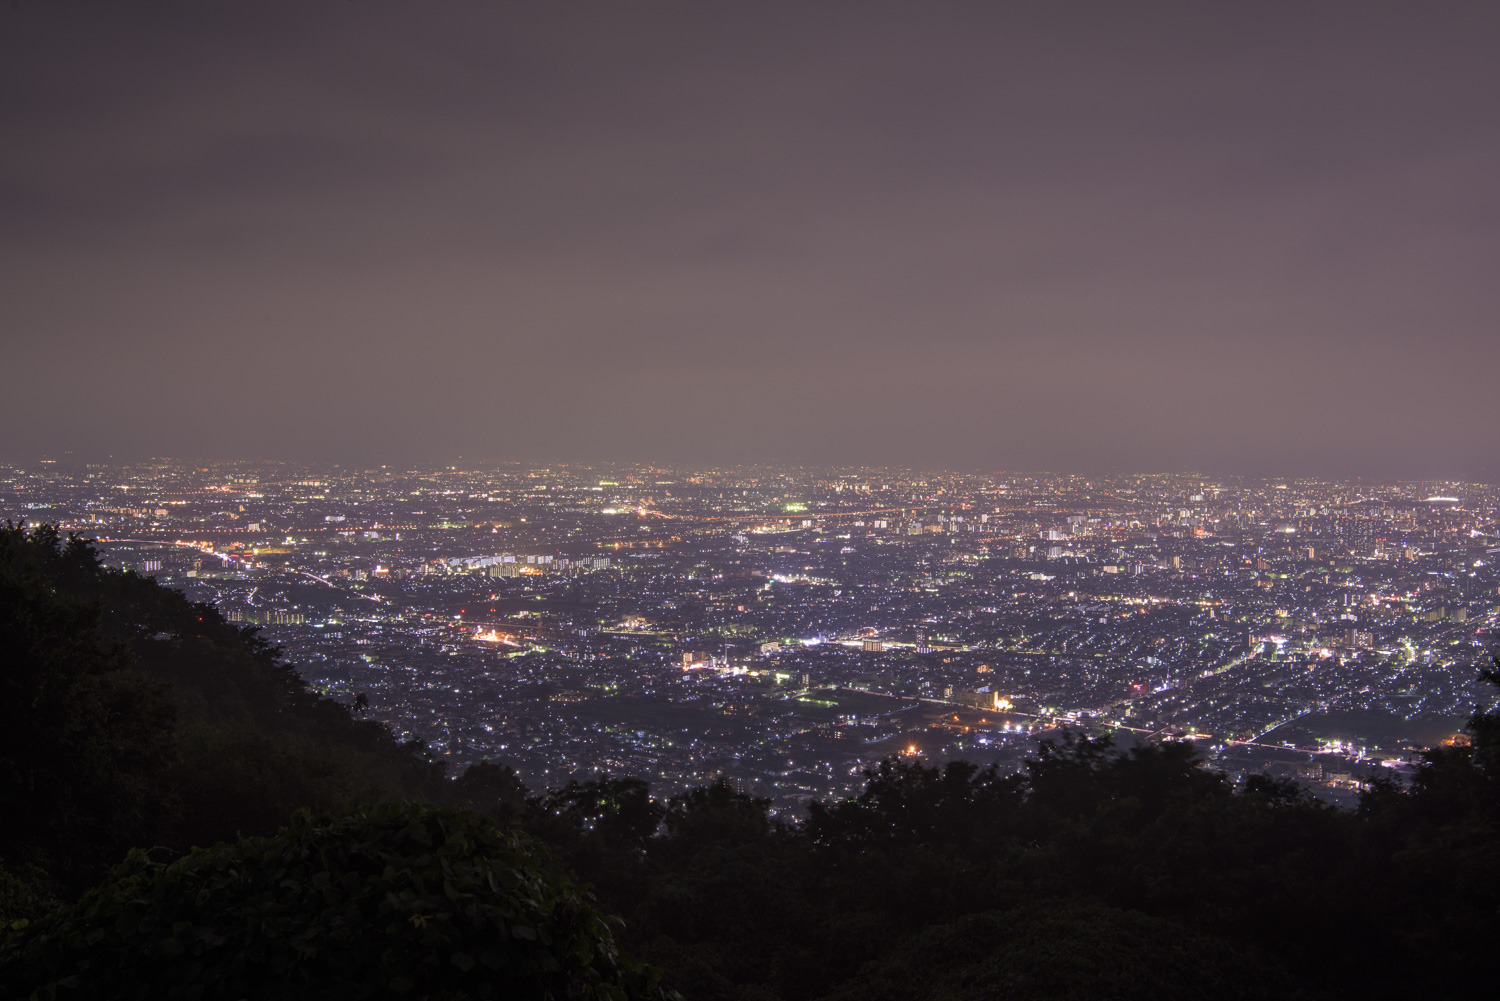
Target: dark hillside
{"type": "Point", "coordinates": [130, 716]}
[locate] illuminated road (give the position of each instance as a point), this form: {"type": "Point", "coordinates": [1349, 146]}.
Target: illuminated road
{"type": "Point", "coordinates": [324, 580]}
{"type": "Point", "coordinates": [230, 559]}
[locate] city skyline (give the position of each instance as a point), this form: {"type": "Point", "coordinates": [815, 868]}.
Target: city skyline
{"type": "Point", "coordinates": [679, 622]}
{"type": "Point", "coordinates": [1246, 241]}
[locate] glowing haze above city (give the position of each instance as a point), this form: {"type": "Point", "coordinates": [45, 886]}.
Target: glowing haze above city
{"type": "Point", "coordinates": [1246, 240]}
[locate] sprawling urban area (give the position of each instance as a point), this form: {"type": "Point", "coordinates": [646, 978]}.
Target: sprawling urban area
{"type": "Point", "coordinates": [787, 627]}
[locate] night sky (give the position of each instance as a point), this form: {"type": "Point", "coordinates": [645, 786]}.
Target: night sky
{"type": "Point", "coordinates": [1241, 238]}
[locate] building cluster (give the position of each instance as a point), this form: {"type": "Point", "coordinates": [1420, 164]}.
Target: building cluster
{"type": "Point", "coordinates": [788, 626]}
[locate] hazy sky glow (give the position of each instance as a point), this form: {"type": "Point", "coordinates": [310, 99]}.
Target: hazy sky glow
{"type": "Point", "coordinates": [1234, 237]}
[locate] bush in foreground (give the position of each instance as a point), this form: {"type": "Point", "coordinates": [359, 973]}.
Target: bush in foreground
{"type": "Point", "coordinates": [401, 901]}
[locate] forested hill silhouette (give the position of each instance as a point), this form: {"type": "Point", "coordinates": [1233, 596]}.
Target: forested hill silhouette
{"type": "Point", "coordinates": [340, 863]}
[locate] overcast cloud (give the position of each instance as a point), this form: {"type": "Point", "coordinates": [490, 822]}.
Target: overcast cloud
{"type": "Point", "coordinates": [1234, 237]}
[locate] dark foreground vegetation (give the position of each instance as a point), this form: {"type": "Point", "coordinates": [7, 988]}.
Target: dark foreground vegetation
{"type": "Point", "coordinates": [181, 817]}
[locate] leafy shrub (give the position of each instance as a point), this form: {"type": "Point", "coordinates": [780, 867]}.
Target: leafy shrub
{"type": "Point", "coordinates": [400, 901]}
